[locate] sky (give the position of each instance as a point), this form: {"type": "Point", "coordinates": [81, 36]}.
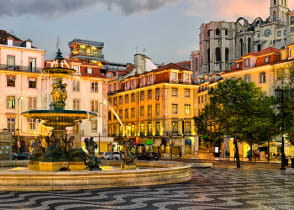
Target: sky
{"type": "Point", "coordinates": [165, 30]}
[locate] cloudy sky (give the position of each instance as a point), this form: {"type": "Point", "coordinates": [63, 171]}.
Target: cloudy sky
{"type": "Point", "coordinates": [167, 29]}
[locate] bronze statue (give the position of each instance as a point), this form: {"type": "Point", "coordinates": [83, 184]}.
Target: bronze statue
{"type": "Point", "coordinates": [89, 157]}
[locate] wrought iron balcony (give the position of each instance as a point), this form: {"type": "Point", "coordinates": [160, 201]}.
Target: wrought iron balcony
{"type": "Point", "coordinates": [20, 68]}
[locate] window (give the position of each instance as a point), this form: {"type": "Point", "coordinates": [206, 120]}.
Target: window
{"type": "Point", "coordinates": [76, 104]}
{"type": "Point", "coordinates": [89, 70]}
{"type": "Point", "coordinates": [94, 87]}
{"type": "Point", "coordinates": [126, 99]}
{"type": "Point", "coordinates": [218, 54]}
{"type": "Point", "coordinates": [142, 95]}
{"type": "Point", "coordinates": [76, 85]}
{"type": "Point", "coordinates": [186, 77]}
{"type": "Point", "coordinates": [149, 94]}
{"type": "Point", "coordinates": [174, 91]}
{"type": "Point", "coordinates": [175, 126]}
{"type": "Point", "coordinates": [175, 108]}
{"type": "Point", "coordinates": [10, 61]}
{"type": "Point", "coordinates": [291, 20]}
{"type": "Point", "coordinates": [187, 109]}
{"type": "Point", "coordinates": [133, 112]}
{"type": "Point", "coordinates": [32, 64]}
{"type": "Point", "coordinates": [120, 113]}
{"type": "Point", "coordinates": [150, 110]}
{"type": "Point", "coordinates": [157, 93]}
{"type": "Point", "coordinates": [10, 102]}
{"type": "Point", "coordinates": [142, 111]}
{"type": "Point", "coordinates": [32, 82]}
{"type": "Point", "coordinates": [174, 76]}
{"type": "Point", "coordinates": [94, 124]}
{"type": "Point", "coordinates": [32, 124]}
{"type": "Point", "coordinates": [133, 97]}
{"type": "Point", "coordinates": [32, 103]}
{"type": "Point", "coordinates": [157, 128]}
{"type": "Point", "coordinates": [11, 124]}
{"type": "Point", "coordinates": [127, 113]}
{"type": "Point", "coordinates": [187, 93]}
{"type": "Point", "coordinates": [120, 100]}
{"type": "Point", "coordinates": [262, 77]}
{"type": "Point", "coordinates": [94, 106]}
{"type": "Point", "coordinates": [247, 62]}
{"type": "Point", "coordinates": [77, 68]}
{"type": "Point", "coordinates": [247, 78]}
{"type": "Point", "coordinates": [157, 109]}
{"type": "Point", "coordinates": [10, 81]}
{"type": "Point", "coordinates": [267, 59]}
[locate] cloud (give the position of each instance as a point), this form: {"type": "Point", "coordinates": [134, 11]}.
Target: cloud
{"type": "Point", "coordinates": [55, 8]}
{"type": "Point", "coordinates": [230, 9]}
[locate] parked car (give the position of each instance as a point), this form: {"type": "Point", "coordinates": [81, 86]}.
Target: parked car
{"type": "Point", "coordinates": [148, 156]}
{"type": "Point", "coordinates": [23, 156]}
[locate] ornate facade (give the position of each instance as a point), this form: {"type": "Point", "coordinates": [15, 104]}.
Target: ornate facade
{"type": "Point", "coordinates": [223, 42]}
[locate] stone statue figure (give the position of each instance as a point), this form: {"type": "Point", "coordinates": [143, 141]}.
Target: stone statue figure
{"type": "Point", "coordinates": [89, 157]}
{"type": "Point", "coordinates": [58, 93]}
{"type": "Point", "coordinates": [129, 156]}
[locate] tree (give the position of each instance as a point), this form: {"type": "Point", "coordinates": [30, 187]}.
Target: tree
{"type": "Point", "coordinates": [238, 108]}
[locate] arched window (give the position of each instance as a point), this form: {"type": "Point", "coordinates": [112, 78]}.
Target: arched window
{"type": "Point", "coordinates": [218, 54]}
{"type": "Point", "coordinates": [217, 32]}
{"type": "Point", "coordinates": [241, 47]}
{"type": "Point", "coordinates": [249, 45]}
{"type": "Point", "coordinates": [259, 47]}
{"type": "Point", "coordinates": [227, 54]}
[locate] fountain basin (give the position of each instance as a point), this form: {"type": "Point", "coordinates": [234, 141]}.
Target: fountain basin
{"type": "Point", "coordinates": [162, 172]}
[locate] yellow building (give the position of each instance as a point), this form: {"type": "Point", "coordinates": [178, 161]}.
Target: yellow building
{"type": "Point", "coordinates": [156, 108]}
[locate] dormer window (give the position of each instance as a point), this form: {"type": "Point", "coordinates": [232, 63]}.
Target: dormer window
{"type": "Point", "coordinates": [174, 76]}
{"type": "Point", "coordinates": [267, 59]}
{"type": "Point", "coordinates": [89, 70]}
{"type": "Point", "coordinates": [247, 62]}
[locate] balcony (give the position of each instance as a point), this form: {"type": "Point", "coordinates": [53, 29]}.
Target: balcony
{"type": "Point", "coordinates": [20, 68]}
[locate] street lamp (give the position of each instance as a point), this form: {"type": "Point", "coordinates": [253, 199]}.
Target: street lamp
{"type": "Point", "coordinates": [280, 95]}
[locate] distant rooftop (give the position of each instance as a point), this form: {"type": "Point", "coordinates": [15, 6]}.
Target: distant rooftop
{"type": "Point", "coordinates": [87, 42]}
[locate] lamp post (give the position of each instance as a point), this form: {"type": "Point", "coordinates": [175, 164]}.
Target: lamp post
{"type": "Point", "coordinates": [280, 95]}
{"type": "Point", "coordinates": [20, 98]}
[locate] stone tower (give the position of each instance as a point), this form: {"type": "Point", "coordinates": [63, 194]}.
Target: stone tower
{"type": "Point", "coordinates": [278, 11]}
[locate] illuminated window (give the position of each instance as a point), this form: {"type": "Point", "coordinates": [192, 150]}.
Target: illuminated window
{"type": "Point", "coordinates": [187, 109]}
{"type": "Point", "coordinates": [32, 103]}
{"type": "Point", "coordinates": [10, 102]}
{"type": "Point", "coordinates": [94, 87]}
{"type": "Point", "coordinates": [32, 82]}
{"type": "Point", "coordinates": [32, 124]}
{"type": "Point", "coordinates": [175, 108]}
{"type": "Point", "coordinates": [94, 106]}
{"type": "Point", "coordinates": [10, 81]}
{"type": "Point", "coordinates": [174, 91]}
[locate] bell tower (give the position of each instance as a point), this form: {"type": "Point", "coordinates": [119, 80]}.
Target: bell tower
{"type": "Point", "coordinates": [278, 11]}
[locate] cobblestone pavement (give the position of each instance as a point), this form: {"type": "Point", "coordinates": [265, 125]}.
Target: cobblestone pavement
{"type": "Point", "coordinates": [217, 188]}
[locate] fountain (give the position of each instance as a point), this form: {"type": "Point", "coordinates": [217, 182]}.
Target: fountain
{"type": "Point", "coordinates": [59, 155]}
{"type": "Point", "coordinates": [59, 166]}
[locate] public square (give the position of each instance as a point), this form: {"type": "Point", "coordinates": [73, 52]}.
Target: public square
{"type": "Point", "coordinates": [254, 186]}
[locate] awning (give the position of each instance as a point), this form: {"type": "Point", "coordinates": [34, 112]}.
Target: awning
{"type": "Point", "coordinates": [188, 142]}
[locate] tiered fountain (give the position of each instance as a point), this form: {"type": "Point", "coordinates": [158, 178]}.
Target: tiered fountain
{"type": "Point", "coordinates": [59, 154]}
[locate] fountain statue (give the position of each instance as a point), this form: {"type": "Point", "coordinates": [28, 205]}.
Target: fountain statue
{"type": "Point", "coordinates": [59, 153]}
